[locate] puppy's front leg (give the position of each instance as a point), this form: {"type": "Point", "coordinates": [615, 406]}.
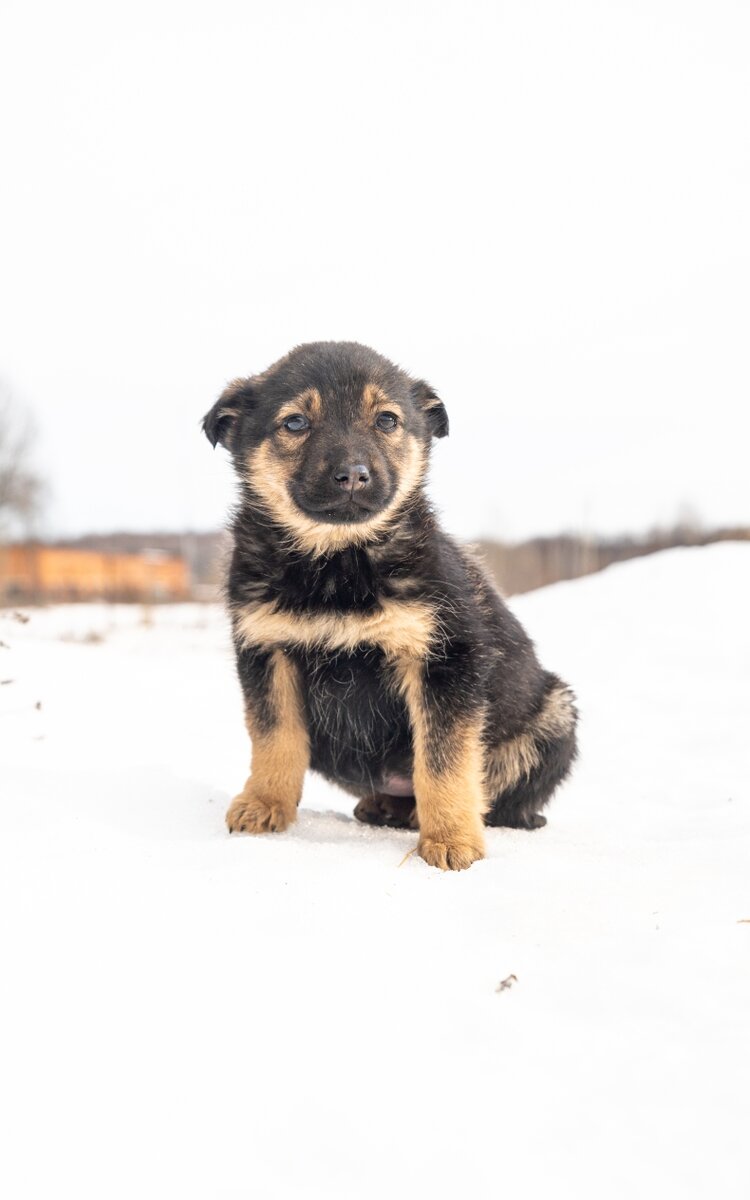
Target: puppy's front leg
{"type": "Point", "coordinates": [280, 744]}
{"type": "Point", "coordinates": [448, 764]}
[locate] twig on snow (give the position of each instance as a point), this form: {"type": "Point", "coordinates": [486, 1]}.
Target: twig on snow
{"type": "Point", "coordinates": [506, 983]}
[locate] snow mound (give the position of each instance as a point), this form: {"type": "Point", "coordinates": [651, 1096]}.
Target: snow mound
{"type": "Point", "coordinates": [314, 1014]}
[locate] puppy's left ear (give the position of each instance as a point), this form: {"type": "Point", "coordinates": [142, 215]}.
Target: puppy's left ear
{"type": "Point", "coordinates": [220, 422]}
{"type": "Point", "coordinates": [432, 407]}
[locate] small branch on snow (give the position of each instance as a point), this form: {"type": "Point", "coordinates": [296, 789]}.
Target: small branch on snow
{"type": "Point", "coordinates": [506, 983]}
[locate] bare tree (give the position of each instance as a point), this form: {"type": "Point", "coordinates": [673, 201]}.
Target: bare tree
{"type": "Point", "coordinates": [20, 486]}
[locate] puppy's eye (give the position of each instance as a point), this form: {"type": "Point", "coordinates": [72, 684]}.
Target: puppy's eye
{"type": "Point", "coordinates": [296, 423]}
{"type": "Point", "coordinates": [387, 421]}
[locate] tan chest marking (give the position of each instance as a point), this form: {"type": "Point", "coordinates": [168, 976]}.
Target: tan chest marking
{"type": "Point", "coordinates": [400, 628]}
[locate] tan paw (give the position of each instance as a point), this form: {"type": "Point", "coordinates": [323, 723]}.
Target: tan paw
{"type": "Point", "coordinates": [455, 854]}
{"type": "Point", "coordinates": [250, 813]}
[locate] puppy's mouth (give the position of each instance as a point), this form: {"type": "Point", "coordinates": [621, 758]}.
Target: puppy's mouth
{"type": "Point", "coordinates": [346, 509]}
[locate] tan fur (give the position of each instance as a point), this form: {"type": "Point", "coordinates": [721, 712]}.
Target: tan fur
{"type": "Point", "coordinates": [280, 756]}
{"type": "Point", "coordinates": [513, 760]}
{"type": "Point", "coordinates": [268, 475]}
{"type": "Point", "coordinates": [451, 799]}
{"type": "Point", "coordinates": [309, 403]}
{"type": "Point", "coordinates": [557, 716]}
{"type": "Point", "coordinates": [399, 627]}
{"type": "Point", "coordinates": [375, 400]}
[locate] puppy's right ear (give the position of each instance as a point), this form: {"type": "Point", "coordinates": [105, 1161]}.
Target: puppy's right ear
{"type": "Point", "coordinates": [220, 422]}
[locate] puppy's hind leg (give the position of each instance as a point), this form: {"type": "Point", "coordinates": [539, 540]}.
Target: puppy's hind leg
{"type": "Point", "coordinates": [523, 771]}
{"type": "Point", "coordinates": [396, 812]}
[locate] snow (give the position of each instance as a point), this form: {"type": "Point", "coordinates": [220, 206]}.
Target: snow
{"type": "Point", "coordinates": [316, 1015]}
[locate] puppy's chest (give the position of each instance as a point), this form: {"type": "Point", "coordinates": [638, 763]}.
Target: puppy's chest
{"type": "Point", "coordinates": [355, 713]}
{"type": "Point", "coordinates": [340, 605]}
{"type": "Point", "coordinates": [344, 583]}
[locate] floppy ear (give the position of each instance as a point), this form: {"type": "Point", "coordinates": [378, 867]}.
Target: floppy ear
{"type": "Point", "coordinates": [432, 407]}
{"type": "Point", "coordinates": [220, 422]}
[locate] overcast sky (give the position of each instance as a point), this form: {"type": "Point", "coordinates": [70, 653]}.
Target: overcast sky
{"type": "Point", "coordinates": [541, 207]}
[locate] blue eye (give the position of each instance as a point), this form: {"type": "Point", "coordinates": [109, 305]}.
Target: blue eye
{"type": "Point", "coordinates": [296, 423]}
{"type": "Point", "coordinates": [387, 421]}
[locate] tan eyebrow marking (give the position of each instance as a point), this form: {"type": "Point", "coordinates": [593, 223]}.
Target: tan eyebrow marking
{"type": "Point", "coordinates": [375, 400]}
{"type": "Point", "coordinates": [308, 402]}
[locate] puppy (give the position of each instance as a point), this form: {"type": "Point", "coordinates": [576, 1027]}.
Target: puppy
{"type": "Point", "coordinates": [370, 646]}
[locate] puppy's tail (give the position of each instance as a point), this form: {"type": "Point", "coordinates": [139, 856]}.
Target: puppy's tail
{"type": "Point", "coordinates": [523, 771]}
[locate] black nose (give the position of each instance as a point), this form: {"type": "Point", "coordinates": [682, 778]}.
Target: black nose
{"type": "Point", "coordinates": [352, 476]}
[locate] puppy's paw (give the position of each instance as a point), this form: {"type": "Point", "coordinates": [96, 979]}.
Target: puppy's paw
{"type": "Point", "coordinates": [251, 812]}
{"type": "Point", "coordinates": [452, 854]}
{"type": "Point", "coordinates": [397, 812]}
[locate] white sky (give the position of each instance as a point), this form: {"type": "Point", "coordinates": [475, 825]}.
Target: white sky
{"type": "Point", "coordinates": [542, 207]}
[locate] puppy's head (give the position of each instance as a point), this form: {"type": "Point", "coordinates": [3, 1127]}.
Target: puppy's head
{"type": "Point", "coordinates": [332, 440]}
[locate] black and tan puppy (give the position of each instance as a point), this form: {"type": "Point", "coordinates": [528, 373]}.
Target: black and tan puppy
{"type": "Point", "coordinates": [370, 646]}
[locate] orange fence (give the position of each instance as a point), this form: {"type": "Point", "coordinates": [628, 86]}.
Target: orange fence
{"type": "Point", "coordinates": [33, 572]}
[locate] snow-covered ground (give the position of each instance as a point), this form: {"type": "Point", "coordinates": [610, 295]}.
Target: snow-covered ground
{"type": "Point", "coordinates": [315, 1015]}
